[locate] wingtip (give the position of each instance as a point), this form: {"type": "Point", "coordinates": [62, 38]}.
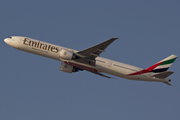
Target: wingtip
{"type": "Point", "coordinates": [115, 38]}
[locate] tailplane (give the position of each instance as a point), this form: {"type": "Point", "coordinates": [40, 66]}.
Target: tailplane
{"type": "Point", "coordinates": [163, 74]}
{"type": "Point", "coordinates": [167, 83]}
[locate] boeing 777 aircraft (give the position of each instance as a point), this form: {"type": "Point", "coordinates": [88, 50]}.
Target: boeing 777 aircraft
{"type": "Point", "coordinates": [88, 59]}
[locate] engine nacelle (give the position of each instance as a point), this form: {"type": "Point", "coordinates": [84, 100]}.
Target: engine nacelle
{"type": "Point", "coordinates": [67, 68]}
{"type": "Point", "coordinates": [67, 55]}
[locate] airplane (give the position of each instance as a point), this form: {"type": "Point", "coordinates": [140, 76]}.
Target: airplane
{"type": "Point", "coordinates": [89, 59]}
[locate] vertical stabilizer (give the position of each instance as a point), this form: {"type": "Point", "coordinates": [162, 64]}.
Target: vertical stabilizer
{"type": "Point", "coordinates": [159, 67]}
{"type": "Point", "coordinates": [162, 65]}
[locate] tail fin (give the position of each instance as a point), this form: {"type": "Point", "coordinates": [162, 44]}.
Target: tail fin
{"type": "Point", "coordinates": [162, 65]}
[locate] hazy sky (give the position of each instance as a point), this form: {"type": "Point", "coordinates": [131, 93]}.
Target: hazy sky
{"type": "Point", "coordinates": [33, 88]}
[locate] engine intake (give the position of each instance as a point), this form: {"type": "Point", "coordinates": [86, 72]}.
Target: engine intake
{"type": "Point", "coordinates": [67, 68]}
{"type": "Point", "coordinates": [67, 55]}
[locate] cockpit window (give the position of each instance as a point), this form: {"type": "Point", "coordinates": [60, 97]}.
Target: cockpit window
{"type": "Point", "coordinates": [10, 37]}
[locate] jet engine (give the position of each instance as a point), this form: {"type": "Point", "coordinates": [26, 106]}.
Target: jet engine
{"type": "Point", "coordinates": [67, 68]}
{"type": "Point", "coordinates": [67, 55]}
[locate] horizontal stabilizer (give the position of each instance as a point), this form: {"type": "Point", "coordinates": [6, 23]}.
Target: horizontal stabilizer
{"type": "Point", "coordinates": [163, 74]}
{"type": "Point", "coordinates": [167, 83]}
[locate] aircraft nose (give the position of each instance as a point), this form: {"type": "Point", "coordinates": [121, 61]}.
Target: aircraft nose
{"type": "Point", "coordinates": [7, 40]}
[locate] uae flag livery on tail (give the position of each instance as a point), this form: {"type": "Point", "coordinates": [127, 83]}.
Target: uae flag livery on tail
{"type": "Point", "coordinates": [161, 66]}
{"type": "Point", "coordinates": [164, 64]}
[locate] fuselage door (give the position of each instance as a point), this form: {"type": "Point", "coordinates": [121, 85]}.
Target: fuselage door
{"type": "Point", "coordinates": [20, 40]}
{"type": "Point", "coordinates": [110, 63]}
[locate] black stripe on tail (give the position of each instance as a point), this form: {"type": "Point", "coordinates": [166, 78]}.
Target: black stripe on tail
{"type": "Point", "coordinates": [160, 70]}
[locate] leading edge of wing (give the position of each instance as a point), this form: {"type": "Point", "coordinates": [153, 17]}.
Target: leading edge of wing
{"type": "Point", "coordinates": [95, 51]}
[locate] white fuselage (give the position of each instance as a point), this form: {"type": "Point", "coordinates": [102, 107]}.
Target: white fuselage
{"type": "Point", "coordinates": [102, 64]}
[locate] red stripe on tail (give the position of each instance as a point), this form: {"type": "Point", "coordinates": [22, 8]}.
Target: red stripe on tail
{"type": "Point", "coordinates": [146, 70]}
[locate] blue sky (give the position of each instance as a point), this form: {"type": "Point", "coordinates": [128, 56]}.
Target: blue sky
{"type": "Point", "coordinates": [33, 87]}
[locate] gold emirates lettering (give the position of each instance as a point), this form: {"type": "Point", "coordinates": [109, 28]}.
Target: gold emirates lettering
{"type": "Point", "coordinates": [40, 45]}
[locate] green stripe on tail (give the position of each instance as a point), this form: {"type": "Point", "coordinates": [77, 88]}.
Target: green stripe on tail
{"type": "Point", "coordinates": [168, 61]}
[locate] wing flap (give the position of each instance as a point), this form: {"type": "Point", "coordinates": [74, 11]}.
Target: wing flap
{"type": "Point", "coordinates": [98, 73]}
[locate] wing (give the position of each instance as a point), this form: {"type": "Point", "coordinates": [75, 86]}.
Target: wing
{"type": "Point", "coordinates": [88, 56]}
{"type": "Point", "coordinates": [93, 52]}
